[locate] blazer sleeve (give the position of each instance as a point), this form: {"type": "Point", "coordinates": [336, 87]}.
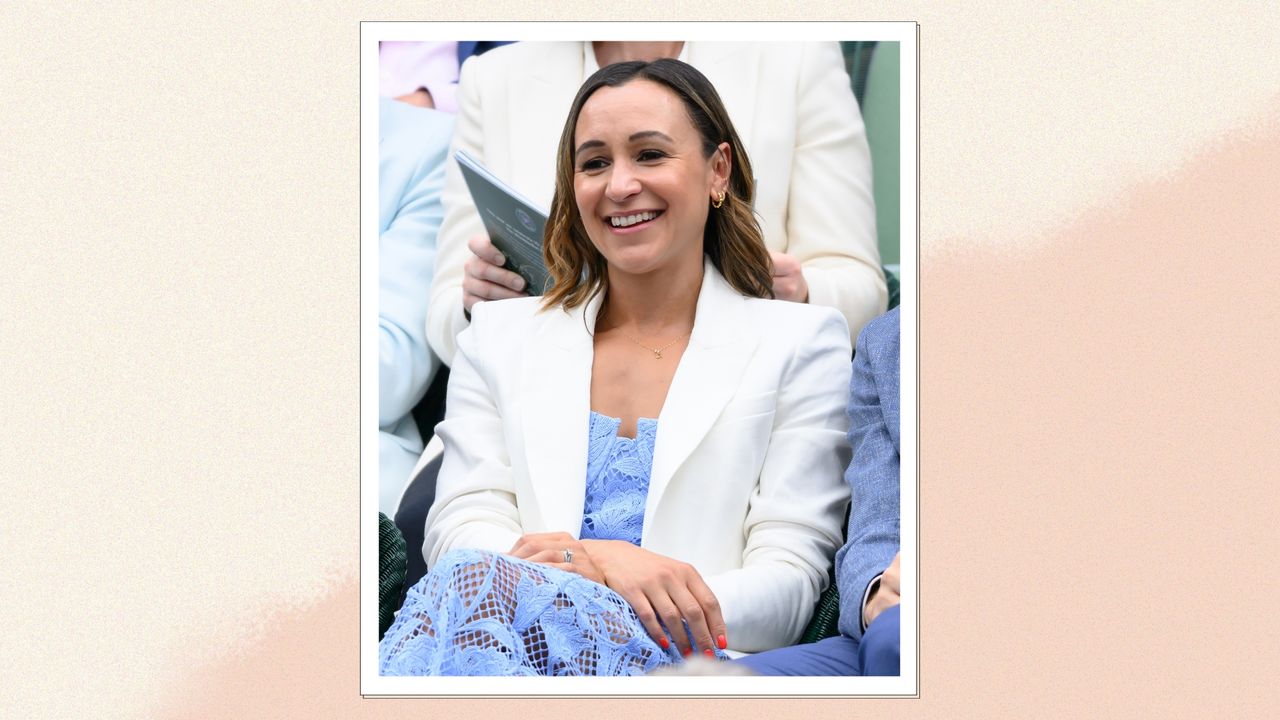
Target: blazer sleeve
{"type": "Point", "coordinates": [873, 476]}
{"type": "Point", "coordinates": [475, 505]}
{"type": "Point", "coordinates": [831, 217]}
{"type": "Point", "coordinates": [406, 252]}
{"type": "Point", "coordinates": [793, 520]}
{"type": "Point", "coordinates": [445, 318]}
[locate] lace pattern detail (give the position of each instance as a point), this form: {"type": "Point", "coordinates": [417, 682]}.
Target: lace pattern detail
{"type": "Point", "coordinates": [482, 613]}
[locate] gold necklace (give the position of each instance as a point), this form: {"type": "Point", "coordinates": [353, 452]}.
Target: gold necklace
{"type": "Point", "coordinates": [657, 352]}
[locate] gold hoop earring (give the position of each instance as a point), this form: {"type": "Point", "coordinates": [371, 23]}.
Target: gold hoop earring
{"type": "Point", "coordinates": [718, 201]}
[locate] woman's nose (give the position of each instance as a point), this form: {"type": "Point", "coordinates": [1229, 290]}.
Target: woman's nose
{"type": "Point", "coordinates": [623, 182]}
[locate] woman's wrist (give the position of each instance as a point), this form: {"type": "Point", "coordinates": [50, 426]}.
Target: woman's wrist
{"type": "Point", "coordinates": [601, 552]}
{"type": "Point", "coordinates": [597, 548]}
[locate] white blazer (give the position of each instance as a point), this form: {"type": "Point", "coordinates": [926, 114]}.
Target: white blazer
{"type": "Point", "coordinates": [747, 480]}
{"type": "Point", "coordinates": [791, 104]}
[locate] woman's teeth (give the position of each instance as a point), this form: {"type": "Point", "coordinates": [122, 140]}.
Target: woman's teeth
{"type": "Point", "coordinates": [629, 220]}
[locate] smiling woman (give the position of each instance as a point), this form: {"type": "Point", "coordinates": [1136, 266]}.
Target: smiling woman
{"type": "Point", "coordinates": [643, 193]}
{"type": "Point", "coordinates": [654, 133]}
{"type": "Point", "coordinates": [646, 462]}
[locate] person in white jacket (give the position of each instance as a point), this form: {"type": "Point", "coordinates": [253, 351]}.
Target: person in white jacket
{"type": "Point", "coordinates": [645, 462]}
{"type": "Point", "coordinates": [793, 107]}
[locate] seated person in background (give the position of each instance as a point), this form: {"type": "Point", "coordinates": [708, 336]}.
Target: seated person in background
{"type": "Point", "coordinates": [645, 462]}
{"type": "Point", "coordinates": [424, 73]}
{"type": "Point", "coordinates": [867, 567]}
{"type": "Point", "coordinates": [411, 151]}
{"type": "Point", "coordinates": [800, 124]}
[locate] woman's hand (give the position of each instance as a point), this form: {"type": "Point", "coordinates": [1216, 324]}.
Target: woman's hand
{"type": "Point", "coordinates": [484, 278]}
{"type": "Point", "coordinates": [788, 280]}
{"type": "Point", "coordinates": [549, 549]}
{"type": "Point", "coordinates": [661, 588]}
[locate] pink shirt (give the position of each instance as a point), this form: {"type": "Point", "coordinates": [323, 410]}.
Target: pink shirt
{"type": "Point", "coordinates": [404, 67]}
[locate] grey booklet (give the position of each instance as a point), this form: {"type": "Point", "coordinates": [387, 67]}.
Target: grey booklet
{"type": "Point", "coordinates": [513, 222]}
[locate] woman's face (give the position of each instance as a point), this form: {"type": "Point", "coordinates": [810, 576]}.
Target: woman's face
{"type": "Point", "coordinates": [641, 182]}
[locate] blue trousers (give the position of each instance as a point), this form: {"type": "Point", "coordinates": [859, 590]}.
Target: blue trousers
{"type": "Point", "coordinates": [877, 654]}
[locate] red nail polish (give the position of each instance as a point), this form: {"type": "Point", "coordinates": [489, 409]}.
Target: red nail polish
{"type": "Point", "coordinates": [664, 643]}
{"type": "Point", "coordinates": [709, 653]}
{"type": "Point", "coordinates": [721, 642]}
{"type": "Point", "coordinates": [686, 652]}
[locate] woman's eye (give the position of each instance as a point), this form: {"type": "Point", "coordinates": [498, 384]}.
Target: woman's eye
{"type": "Point", "coordinates": [593, 164]}
{"type": "Point", "coordinates": [650, 155]}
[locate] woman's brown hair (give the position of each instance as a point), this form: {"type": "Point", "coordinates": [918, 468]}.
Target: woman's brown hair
{"type": "Point", "coordinates": [731, 239]}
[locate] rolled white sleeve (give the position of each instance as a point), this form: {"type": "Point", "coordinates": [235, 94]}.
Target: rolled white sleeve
{"type": "Point", "coordinates": [831, 216]}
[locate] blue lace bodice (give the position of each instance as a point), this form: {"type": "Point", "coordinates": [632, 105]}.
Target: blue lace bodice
{"type": "Point", "coordinates": [617, 479]}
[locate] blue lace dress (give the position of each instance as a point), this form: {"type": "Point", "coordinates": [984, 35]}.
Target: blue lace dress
{"type": "Point", "coordinates": [484, 613]}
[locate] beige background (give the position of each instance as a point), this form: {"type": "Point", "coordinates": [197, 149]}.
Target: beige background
{"type": "Point", "coordinates": [179, 366]}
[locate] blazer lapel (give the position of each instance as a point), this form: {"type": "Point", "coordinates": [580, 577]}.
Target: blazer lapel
{"type": "Point", "coordinates": [556, 383]}
{"type": "Point", "coordinates": [710, 370]}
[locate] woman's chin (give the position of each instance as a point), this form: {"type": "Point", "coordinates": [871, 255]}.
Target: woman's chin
{"type": "Point", "coordinates": [633, 268]}
{"type": "Point", "coordinates": [643, 261]}
{"type": "Point", "coordinates": [633, 261]}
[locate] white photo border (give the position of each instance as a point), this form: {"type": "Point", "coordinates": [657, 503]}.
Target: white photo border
{"type": "Point", "coordinates": [374, 685]}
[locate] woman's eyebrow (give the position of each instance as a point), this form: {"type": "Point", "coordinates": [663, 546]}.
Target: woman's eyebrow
{"type": "Point", "coordinates": [646, 134]}
{"type": "Point", "coordinates": [587, 146]}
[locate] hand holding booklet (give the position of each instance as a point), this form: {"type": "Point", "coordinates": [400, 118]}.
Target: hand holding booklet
{"type": "Point", "coordinates": [514, 223]}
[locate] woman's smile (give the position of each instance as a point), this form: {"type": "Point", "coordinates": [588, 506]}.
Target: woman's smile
{"type": "Point", "coordinates": [627, 223]}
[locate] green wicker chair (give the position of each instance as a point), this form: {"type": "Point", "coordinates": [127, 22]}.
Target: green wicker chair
{"type": "Point", "coordinates": [391, 569]}
{"type": "Point", "coordinates": [895, 287]}
{"type": "Point", "coordinates": [826, 615]}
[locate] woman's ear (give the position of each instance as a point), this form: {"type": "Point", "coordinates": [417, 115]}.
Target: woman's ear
{"type": "Point", "coordinates": [721, 169]}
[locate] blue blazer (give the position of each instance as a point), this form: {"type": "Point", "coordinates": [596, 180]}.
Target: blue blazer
{"type": "Point", "coordinates": [874, 474]}
{"type": "Point", "coordinates": [412, 146]}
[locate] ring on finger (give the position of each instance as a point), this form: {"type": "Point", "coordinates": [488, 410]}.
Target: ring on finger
{"type": "Point", "coordinates": [568, 556]}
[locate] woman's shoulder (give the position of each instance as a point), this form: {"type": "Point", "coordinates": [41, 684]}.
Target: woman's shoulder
{"type": "Point", "coordinates": [516, 320]}
{"type": "Point", "coordinates": [501, 329]}
{"type": "Point", "coordinates": [502, 313]}
{"type": "Point", "coordinates": [800, 318]}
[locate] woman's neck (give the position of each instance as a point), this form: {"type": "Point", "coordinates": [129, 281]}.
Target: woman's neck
{"type": "Point", "coordinates": [608, 53]}
{"type": "Point", "coordinates": [654, 304]}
